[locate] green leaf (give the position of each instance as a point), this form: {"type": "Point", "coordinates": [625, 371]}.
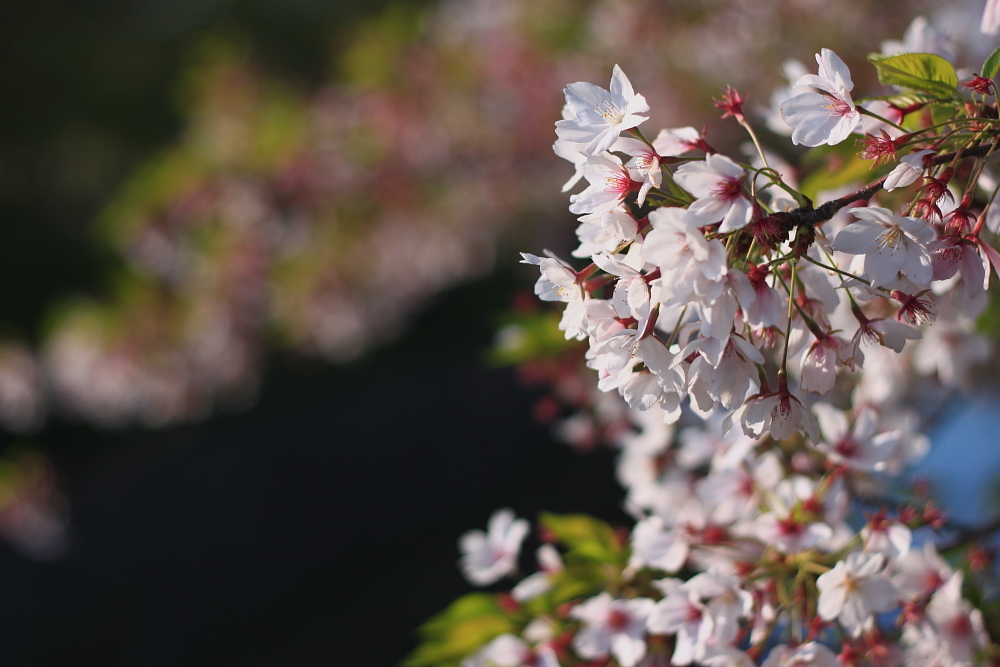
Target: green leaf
{"type": "Point", "coordinates": [466, 625]}
{"type": "Point", "coordinates": [918, 71]}
{"type": "Point", "coordinates": [991, 65]}
{"type": "Point", "coordinates": [578, 580]}
{"type": "Point", "coordinates": [585, 536]}
{"type": "Point", "coordinates": [942, 113]}
{"type": "Point", "coordinates": [525, 337]}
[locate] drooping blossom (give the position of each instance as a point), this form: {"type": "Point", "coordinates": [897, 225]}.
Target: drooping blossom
{"type": "Point", "coordinates": [558, 282]}
{"type": "Point", "coordinates": [908, 170]}
{"type": "Point", "coordinates": [681, 613]}
{"type": "Point", "coordinates": [779, 413]}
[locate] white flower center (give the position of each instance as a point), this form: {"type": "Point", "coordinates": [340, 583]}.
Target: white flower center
{"type": "Point", "coordinates": [892, 237]}
{"type": "Point", "coordinates": [610, 112]}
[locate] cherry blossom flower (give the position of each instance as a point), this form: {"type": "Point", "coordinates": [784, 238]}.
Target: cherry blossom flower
{"type": "Point", "coordinates": [509, 650]}
{"type": "Point", "coordinates": [819, 363]}
{"type": "Point", "coordinates": [907, 171]}
{"type": "Point", "coordinates": [718, 184]}
{"type": "Point", "coordinates": [857, 446]}
{"type": "Point", "coordinates": [682, 613]}
{"type": "Point", "coordinates": [827, 117]}
{"type": "Point", "coordinates": [610, 183]}
{"type": "Point", "coordinates": [779, 413]}
{"type": "Point", "coordinates": [727, 601]}
{"type": "Point", "coordinates": [679, 141]}
{"type": "Point", "coordinates": [920, 572]}
{"type": "Point", "coordinates": [959, 627]}
{"type": "Point", "coordinates": [612, 626]}
{"type": "Point", "coordinates": [631, 295]}
{"type": "Point", "coordinates": [855, 589]}
{"type": "Point", "coordinates": [723, 370]}
{"type": "Point", "coordinates": [490, 556]}
{"type": "Point", "coordinates": [891, 245]}
{"type": "Point", "coordinates": [599, 116]}
{"type": "Point", "coordinates": [643, 167]}
{"type": "Point", "coordinates": [558, 282]}
{"type": "Point", "coordinates": [688, 261]}
{"type": "Point", "coordinates": [886, 536]}
{"type": "Point", "coordinates": [655, 545]}
{"type": "Point", "coordinates": [810, 654]}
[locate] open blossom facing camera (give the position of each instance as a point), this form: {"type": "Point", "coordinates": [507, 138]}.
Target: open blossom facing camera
{"type": "Point", "coordinates": [828, 116]}
{"type": "Point", "coordinates": [597, 117]}
{"type": "Point", "coordinates": [855, 589]}
{"type": "Point", "coordinates": [716, 301]}
{"type": "Point", "coordinates": [891, 244]}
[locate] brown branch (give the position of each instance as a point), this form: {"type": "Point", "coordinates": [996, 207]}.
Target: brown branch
{"type": "Point", "coordinates": [968, 534]}
{"type": "Point", "coordinates": [807, 215]}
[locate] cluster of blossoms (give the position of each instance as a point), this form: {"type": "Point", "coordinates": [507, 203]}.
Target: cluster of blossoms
{"type": "Point", "coordinates": [318, 221]}
{"type": "Point", "coordinates": [772, 532]}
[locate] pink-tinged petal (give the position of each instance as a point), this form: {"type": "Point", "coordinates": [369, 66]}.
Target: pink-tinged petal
{"type": "Point", "coordinates": [738, 281]}
{"type": "Point", "coordinates": [994, 258]}
{"type": "Point", "coordinates": [714, 267]}
{"type": "Point", "coordinates": [832, 422]}
{"type": "Point", "coordinates": [819, 81]}
{"type": "Point", "coordinates": [628, 650]}
{"type": "Point", "coordinates": [831, 602]}
{"type": "Point", "coordinates": [739, 215]}
{"type": "Point", "coordinates": [746, 350]}
{"type": "Point", "coordinates": [696, 179]}
{"type": "Point", "coordinates": [883, 265]}
{"type": "Point", "coordinates": [642, 392]}
{"type": "Point", "coordinates": [620, 85]}
{"type": "Point", "coordinates": [990, 24]}
{"type": "Point", "coordinates": [813, 122]}
{"type": "Point", "coordinates": [603, 141]}
{"type": "Point", "coordinates": [844, 128]}
{"type": "Point", "coordinates": [676, 141]}
{"type": "Point", "coordinates": [882, 216]}
{"type": "Point", "coordinates": [915, 227]}
{"type": "Point", "coordinates": [917, 265]}
{"type": "Point", "coordinates": [724, 166]}
{"type": "Point", "coordinates": [583, 98]}
{"type": "Point", "coordinates": [858, 238]}
{"type": "Point", "coordinates": [571, 132]}
{"type": "Point", "coordinates": [903, 175]}
{"type": "Point", "coordinates": [833, 68]}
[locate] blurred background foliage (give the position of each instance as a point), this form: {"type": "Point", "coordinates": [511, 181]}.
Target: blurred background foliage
{"type": "Point", "coordinates": [204, 201]}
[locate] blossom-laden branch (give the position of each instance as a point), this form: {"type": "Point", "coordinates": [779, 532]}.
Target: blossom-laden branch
{"type": "Point", "coordinates": [745, 550]}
